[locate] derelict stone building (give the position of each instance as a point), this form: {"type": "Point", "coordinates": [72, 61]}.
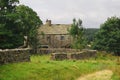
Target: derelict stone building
{"type": "Point", "coordinates": [55, 35]}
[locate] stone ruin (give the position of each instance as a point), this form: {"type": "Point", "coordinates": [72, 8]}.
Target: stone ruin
{"type": "Point", "coordinates": [14, 55]}
{"type": "Point", "coordinates": [20, 54]}
{"type": "Point", "coordinates": [59, 56]}
{"type": "Point", "coordinates": [85, 54]}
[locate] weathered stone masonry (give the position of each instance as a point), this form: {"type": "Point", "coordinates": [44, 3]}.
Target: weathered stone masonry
{"type": "Point", "coordinates": [14, 55]}
{"type": "Point", "coordinates": [74, 55]}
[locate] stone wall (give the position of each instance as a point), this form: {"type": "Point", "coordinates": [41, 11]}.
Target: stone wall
{"type": "Point", "coordinates": [59, 56]}
{"type": "Point", "coordinates": [55, 40]}
{"type": "Point", "coordinates": [14, 55]}
{"type": "Point", "coordinates": [75, 55]}
{"type": "Point", "coordinates": [55, 50]}
{"type": "Point", "coordinates": [83, 55]}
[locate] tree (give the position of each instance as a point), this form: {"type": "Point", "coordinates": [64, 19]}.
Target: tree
{"type": "Point", "coordinates": [17, 22]}
{"type": "Point", "coordinates": [108, 37]}
{"type": "Point", "coordinates": [89, 34]}
{"type": "Point", "coordinates": [30, 22]}
{"type": "Point", "coordinates": [77, 31]}
{"type": "Point", "coordinates": [10, 31]}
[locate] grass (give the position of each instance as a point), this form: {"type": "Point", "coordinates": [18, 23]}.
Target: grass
{"type": "Point", "coordinates": [42, 68]}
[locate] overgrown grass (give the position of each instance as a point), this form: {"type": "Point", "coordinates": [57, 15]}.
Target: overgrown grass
{"type": "Point", "coordinates": [42, 68]}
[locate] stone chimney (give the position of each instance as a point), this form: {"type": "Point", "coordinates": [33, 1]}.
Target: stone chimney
{"type": "Point", "coordinates": [48, 22]}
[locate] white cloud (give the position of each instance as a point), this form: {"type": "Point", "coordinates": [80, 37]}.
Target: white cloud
{"type": "Point", "coordinates": [92, 12]}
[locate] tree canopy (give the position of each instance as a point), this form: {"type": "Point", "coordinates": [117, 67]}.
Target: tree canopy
{"type": "Point", "coordinates": [10, 31]}
{"type": "Point", "coordinates": [29, 22]}
{"type": "Point", "coordinates": [77, 31]}
{"type": "Point", "coordinates": [108, 37]}
{"type": "Point", "coordinates": [15, 23]}
{"type": "Point", "coordinates": [89, 34]}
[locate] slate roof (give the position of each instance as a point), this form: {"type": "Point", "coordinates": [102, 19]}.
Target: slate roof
{"type": "Point", "coordinates": [54, 29]}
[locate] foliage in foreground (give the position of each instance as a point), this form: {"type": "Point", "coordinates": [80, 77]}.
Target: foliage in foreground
{"type": "Point", "coordinates": [42, 68]}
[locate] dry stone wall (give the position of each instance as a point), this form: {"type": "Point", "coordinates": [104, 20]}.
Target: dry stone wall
{"type": "Point", "coordinates": [14, 55]}
{"type": "Point", "coordinates": [59, 56]}
{"type": "Point", "coordinates": [75, 55]}
{"type": "Point", "coordinates": [55, 50]}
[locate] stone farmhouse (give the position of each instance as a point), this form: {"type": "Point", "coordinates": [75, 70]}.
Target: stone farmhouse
{"type": "Point", "coordinates": [55, 35]}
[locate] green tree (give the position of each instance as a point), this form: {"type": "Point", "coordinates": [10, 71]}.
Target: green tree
{"type": "Point", "coordinates": [10, 31]}
{"type": "Point", "coordinates": [108, 37]}
{"type": "Point", "coordinates": [17, 22]}
{"type": "Point", "coordinates": [30, 22]}
{"type": "Point", "coordinates": [77, 31]}
{"type": "Point", "coordinates": [89, 34]}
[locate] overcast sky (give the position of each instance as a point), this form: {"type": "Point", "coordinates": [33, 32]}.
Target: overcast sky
{"type": "Point", "coordinates": [92, 12]}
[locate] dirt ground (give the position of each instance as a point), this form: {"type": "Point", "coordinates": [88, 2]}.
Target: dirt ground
{"type": "Point", "coordinates": [100, 75]}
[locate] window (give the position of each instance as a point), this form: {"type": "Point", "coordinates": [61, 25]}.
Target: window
{"type": "Point", "coordinates": [62, 38]}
